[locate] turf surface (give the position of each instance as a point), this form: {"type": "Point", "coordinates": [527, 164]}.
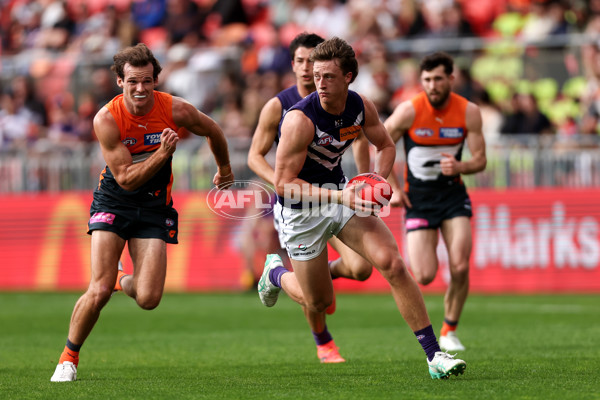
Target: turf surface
{"type": "Point", "coordinates": [229, 346]}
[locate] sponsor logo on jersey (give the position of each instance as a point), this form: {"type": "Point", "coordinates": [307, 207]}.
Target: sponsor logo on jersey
{"type": "Point", "coordinates": [451, 133]}
{"type": "Point", "coordinates": [424, 132]}
{"type": "Point", "coordinates": [129, 141]}
{"type": "Point", "coordinates": [325, 140]}
{"type": "Point", "coordinates": [350, 132]}
{"type": "Point", "coordinates": [151, 139]}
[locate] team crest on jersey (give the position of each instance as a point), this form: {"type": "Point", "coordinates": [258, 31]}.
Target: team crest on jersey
{"type": "Point", "coordinates": [129, 141]}
{"type": "Point", "coordinates": [424, 132]}
{"type": "Point", "coordinates": [325, 140]}
{"type": "Point", "coordinates": [451, 133]}
{"type": "Point", "coordinates": [152, 138]}
{"type": "Point", "coordinates": [350, 132]}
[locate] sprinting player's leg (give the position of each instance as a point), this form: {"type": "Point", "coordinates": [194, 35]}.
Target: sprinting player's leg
{"type": "Point", "coordinates": [349, 264]}
{"type": "Point", "coordinates": [370, 237]}
{"type": "Point", "coordinates": [145, 285]}
{"type": "Point", "coordinates": [106, 250]}
{"type": "Point", "coordinates": [314, 279]}
{"type": "Point", "coordinates": [276, 277]}
{"type": "Point", "coordinates": [457, 236]}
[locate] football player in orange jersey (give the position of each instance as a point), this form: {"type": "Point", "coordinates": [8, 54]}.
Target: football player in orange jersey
{"type": "Point", "coordinates": [434, 126]}
{"type": "Point", "coordinates": [137, 133]}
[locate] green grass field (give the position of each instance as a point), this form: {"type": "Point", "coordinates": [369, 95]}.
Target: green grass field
{"type": "Point", "coordinates": [229, 346]}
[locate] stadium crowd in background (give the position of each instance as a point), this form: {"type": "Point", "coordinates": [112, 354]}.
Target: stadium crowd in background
{"type": "Point", "coordinates": [54, 54]}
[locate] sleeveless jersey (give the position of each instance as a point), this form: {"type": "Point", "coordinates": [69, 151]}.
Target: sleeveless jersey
{"type": "Point", "coordinates": [141, 135]}
{"type": "Point", "coordinates": [333, 135]}
{"type": "Point", "coordinates": [288, 97]}
{"type": "Point", "coordinates": [434, 132]}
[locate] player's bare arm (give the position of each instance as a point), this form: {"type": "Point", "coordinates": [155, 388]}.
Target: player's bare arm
{"type": "Point", "coordinates": [360, 151]}
{"type": "Point", "coordinates": [400, 121]}
{"type": "Point", "coordinates": [263, 139]}
{"type": "Point", "coordinates": [379, 137]}
{"type": "Point", "coordinates": [128, 175]}
{"type": "Point", "coordinates": [450, 165]}
{"type": "Point", "coordinates": [397, 125]}
{"type": "Point", "coordinates": [200, 124]}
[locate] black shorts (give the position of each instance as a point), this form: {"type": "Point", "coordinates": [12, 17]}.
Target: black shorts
{"type": "Point", "coordinates": [431, 207]}
{"type": "Point", "coordinates": [133, 222]}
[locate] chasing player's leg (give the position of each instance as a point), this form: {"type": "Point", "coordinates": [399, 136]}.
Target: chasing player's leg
{"type": "Point", "coordinates": [457, 236]}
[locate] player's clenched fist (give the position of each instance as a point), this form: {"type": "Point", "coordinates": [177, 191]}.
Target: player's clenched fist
{"type": "Point", "coordinates": [168, 140]}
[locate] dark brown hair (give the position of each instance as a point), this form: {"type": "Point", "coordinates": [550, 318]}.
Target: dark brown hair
{"type": "Point", "coordinates": [434, 60]}
{"type": "Point", "coordinates": [137, 56]}
{"type": "Point", "coordinates": [337, 49]}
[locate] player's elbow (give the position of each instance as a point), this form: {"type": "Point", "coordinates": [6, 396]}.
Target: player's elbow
{"type": "Point", "coordinates": [252, 162]}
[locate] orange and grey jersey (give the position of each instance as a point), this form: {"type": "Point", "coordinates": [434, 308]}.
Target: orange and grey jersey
{"type": "Point", "coordinates": [434, 132]}
{"type": "Point", "coordinates": [141, 135]}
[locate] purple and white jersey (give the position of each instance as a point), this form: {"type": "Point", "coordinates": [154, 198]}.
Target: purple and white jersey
{"type": "Point", "coordinates": [333, 135]}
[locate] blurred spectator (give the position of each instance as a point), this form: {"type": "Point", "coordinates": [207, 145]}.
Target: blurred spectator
{"type": "Point", "coordinates": [454, 22]}
{"type": "Point", "coordinates": [491, 116]}
{"type": "Point", "coordinates": [525, 117]}
{"type": "Point", "coordinates": [464, 84]}
{"type": "Point", "coordinates": [56, 26]}
{"type": "Point", "coordinates": [63, 132]}
{"type": "Point", "coordinates": [148, 13]}
{"type": "Point", "coordinates": [26, 96]}
{"type": "Point", "coordinates": [410, 82]}
{"type": "Point", "coordinates": [104, 86]}
{"type": "Point", "coordinates": [18, 127]}
{"type": "Point", "coordinates": [183, 21]}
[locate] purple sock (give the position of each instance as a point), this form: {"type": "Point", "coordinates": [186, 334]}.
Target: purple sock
{"type": "Point", "coordinates": [275, 275]}
{"type": "Point", "coordinates": [323, 337]}
{"type": "Point", "coordinates": [428, 341]}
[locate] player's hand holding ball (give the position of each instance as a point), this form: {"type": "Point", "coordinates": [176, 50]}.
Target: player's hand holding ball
{"type": "Point", "coordinates": [373, 188]}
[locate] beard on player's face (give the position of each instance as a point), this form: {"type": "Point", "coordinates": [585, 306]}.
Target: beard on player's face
{"type": "Point", "coordinates": [437, 97]}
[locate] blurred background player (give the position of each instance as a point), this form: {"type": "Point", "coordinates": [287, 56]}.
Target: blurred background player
{"type": "Point", "coordinates": [349, 264]}
{"type": "Point", "coordinates": [137, 133]}
{"type": "Point", "coordinates": [308, 175]}
{"type": "Point", "coordinates": [435, 124]}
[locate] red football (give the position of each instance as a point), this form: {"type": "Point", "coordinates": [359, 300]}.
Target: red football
{"type": "Point", "coordinates": [378, 190]}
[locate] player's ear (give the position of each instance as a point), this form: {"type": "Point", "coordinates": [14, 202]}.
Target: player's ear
{"type": "Point", "coordinates": [120, 82]}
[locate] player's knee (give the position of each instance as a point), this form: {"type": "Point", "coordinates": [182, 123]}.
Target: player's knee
{"type": "Point", "coordinates": [319, 305]}
{"type": "Point", "coordinates": [99, 296]}
{"type": "Point", "coordinates": [362, 272]}
{"type": "Point", "coordinates": [424, 278]}
{"type": "Point", "coordinates": [148, 301]}
{"type": "Point", "coordinates": [392, 267]}
{"type": "Point", "coordinates": [460, 271]}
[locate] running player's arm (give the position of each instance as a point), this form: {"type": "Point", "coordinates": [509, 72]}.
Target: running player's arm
{"type": "Point", "coordinates": [360, 151]}
{"type": "Point", "coordinates": [187, 116]}
{"type": "Point", "coordinates": [450, 166]}
{"type": "Point", "coordinates": [297, 132]}
{"type": "Point", "coordinates": [379, 137]}
{"type": "Point", "coordinates": [128, 175]}
{"type": "Point", "coordinates": [397, 125]}
{"type": "Point", "coordinates": [263, 139]}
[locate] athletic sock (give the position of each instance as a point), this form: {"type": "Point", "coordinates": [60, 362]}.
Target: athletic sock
{"type": "Point", "coordinates": [428, 341]}
{"type": "Point", "coordinates": [323, 337]}
{"type": "Point", "coordinates": [275, 275]}
{"type": "Point", "coordinates": [70, 353]}
{"type": "Point", "coordinates": [448, 326]}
